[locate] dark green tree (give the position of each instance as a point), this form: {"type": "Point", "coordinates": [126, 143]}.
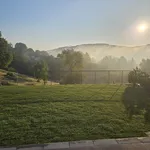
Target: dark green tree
{"type": "Point", "coordinates": [5, 55]}
{"type": "Point", "coordinates": [145, 65]}
{"type": "Point", "coordinates": [41, 71]}
{"type": "Point", "coordinates": [72, 61]}
{"type": "Point", "coordinates": [134, 76]}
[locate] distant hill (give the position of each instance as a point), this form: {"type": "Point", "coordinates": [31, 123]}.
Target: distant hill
{"type": "Point", "coordinates": [100, 50]}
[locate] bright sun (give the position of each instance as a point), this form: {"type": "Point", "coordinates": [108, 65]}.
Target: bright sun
{"type": "Point", "coordinates": [142, 27]}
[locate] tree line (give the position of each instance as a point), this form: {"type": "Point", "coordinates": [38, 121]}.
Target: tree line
{"type": "Point", "coordinates": [41, 65]}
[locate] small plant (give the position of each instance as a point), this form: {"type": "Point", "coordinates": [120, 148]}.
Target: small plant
{"type": "Point", "coordinates": [11, 69]}
{"type": "Point", "coordinates": [5, 83]}
{"type": "Point", "coordinates": [11, 76]}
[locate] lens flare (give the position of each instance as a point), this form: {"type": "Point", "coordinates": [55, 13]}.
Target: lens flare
{"type": "Point", "coordinates": [142, 27]}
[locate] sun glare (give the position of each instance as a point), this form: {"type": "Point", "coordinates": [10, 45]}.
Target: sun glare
{"type": "Point", "coordinates": [142, 27]}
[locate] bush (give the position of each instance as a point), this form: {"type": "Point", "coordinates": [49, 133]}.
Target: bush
{"type": "Point", "coordinates": [134, 76]}
{"type": "Point", "coordinates": [137, 99]}
{"type": "Point", "coordinates": [11, 76]}
{"type": "Point", "coordinates": [30, 84]}
{"type": "Point", "coordinates": [5, 83]}
{"type": "Point", "coordinates": [11, 69]}
{"type": "Point", "coordinates": [134, 100]}
{"type": "Point", "coordinates": [71, 78]}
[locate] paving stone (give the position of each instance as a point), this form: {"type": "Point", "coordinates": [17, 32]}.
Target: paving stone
{"type": "Point", "coordinates": [128, 141]}
{"type": "Point", "coordinates": [147, 146]}
{"type": "Point", "coordinates": [86, 143]}
{"type": "Point", "coordinates": [135, 146]}
{"type": "Point", "coordinates": [60, 145]}
{"type": "Point", "coordinates": [31, 147]}
{"type": "Point", "coordinates": [11, 148]}
{"type": "Point", "coordinates": [144, 139]}
{"type": "Point", "coordinates": [105, 142]}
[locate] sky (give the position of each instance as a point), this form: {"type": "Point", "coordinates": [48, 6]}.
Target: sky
{"type": "Point", "coordinates": [48, 24]}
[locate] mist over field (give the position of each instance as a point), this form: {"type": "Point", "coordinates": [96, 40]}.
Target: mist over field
{"type": "Point", "coordinates": [99, 50]}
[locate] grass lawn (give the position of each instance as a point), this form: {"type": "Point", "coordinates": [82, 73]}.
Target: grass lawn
{"type": "Point", "coordinates": [38, 114]}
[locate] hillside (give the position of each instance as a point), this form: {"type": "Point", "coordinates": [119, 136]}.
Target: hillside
{"type": "Point", "coordinates": [20, 79]}
{"type": "Point", "coordinates": [100, 50]}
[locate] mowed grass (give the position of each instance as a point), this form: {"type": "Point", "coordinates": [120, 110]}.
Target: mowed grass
{"type": "Point", "coordinates": [43, 114]}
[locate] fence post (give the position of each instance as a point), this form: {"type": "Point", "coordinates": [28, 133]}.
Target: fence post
{"type": "Point", "coordinates": [81, 77]}
{"type": "Point", "coordinates": [95, 77]}
{"type": "Point", "coordinates": [122, 77]}
{"type": "Point", "coordinates": [108, 77]}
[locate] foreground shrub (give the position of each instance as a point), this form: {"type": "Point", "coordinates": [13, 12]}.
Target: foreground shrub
{"type": "Point", "coordinates": [136, 99]}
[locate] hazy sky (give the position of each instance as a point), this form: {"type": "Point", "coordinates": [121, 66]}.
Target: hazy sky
{"type": "Point", "coordinates": [47, 24]}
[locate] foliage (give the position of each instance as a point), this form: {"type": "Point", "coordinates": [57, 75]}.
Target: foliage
{"type": "Point", "coordinates": [41, 71]}
{"type": "Point", "coordinates": [144, 65]}
{"type": "Point", "coordinates": [5, 56]}
{"type": "Point", "coordinates": [72, 78]}
{"type": "Point", "coordinates": [11, 69]}
{"type": "Point", "coordinates": [64, 113]}
{"type": "Point", "coordinates": [4, 83]}
{"type": "Point", "coordinates": [109, 62]}
{"type": "Point", "coordinates": [72, 60]}
{"type": "Point", "coordinates": [134, 100]}
{"type": "Point", "coordinates": [11, 76]}
{"type": "Point", "coordinates": [134, 76]}
{"type": "Point", "coordinates": [137, 99]}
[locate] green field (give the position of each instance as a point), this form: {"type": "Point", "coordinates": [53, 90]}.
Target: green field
{"type": "Point", "coordinates": [43, 114]}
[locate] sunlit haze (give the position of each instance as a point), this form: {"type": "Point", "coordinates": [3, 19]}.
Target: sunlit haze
{"type": "Point", "coordinates": [142, 27]}
{"type": "Point", "coordinates": [48, 24]}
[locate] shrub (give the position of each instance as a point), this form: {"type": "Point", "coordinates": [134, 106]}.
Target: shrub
{"type": "Point", "coordinates": [134, 100]}
{"type": "Point", "coordinates": [11, 76]}
{"type": "Point", "coordinates": [30, 84]}
{"type": "Point", "coordinates": [134, 76]}
{"type": "Point", "coordinates": [71, 78]}
{"type": "Point", "coordinates": [5, 83]}
{"type": "Point", "coordinates": [11, 69]}
{"type": "Point", "coordinates": [137, 99]}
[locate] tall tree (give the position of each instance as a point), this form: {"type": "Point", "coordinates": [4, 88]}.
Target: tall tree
{"type": "Point", "coordinates": [72, 60]}
{"type": "Point", "coordinates": [5, 55]}
{"type": "Point", "coordinates": [145, 65]}
{"type": "Point", "coordinates": [41, 71]}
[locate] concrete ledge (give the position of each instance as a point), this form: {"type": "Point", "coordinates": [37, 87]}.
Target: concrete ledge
{"type": "Point", "coordinates": [144, 139]}
{"type": "Point", "coordinates": [31, 148]}
{"type": "Point", "coordinates": [8, 148]}
{"type": "Point", "coordinates": [105, 142]}
{"type": "Point", "coordinates": [88, 144]}
{"type": "Point", "coordinates": [128, 141]}
{"type": "Point", "coordinates": [75, 144]}
{"type": "Point", "coordinates": [60, 145]}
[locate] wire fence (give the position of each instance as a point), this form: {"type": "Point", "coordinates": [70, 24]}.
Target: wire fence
{"type": "Point", "coordinates": [89, 76]}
